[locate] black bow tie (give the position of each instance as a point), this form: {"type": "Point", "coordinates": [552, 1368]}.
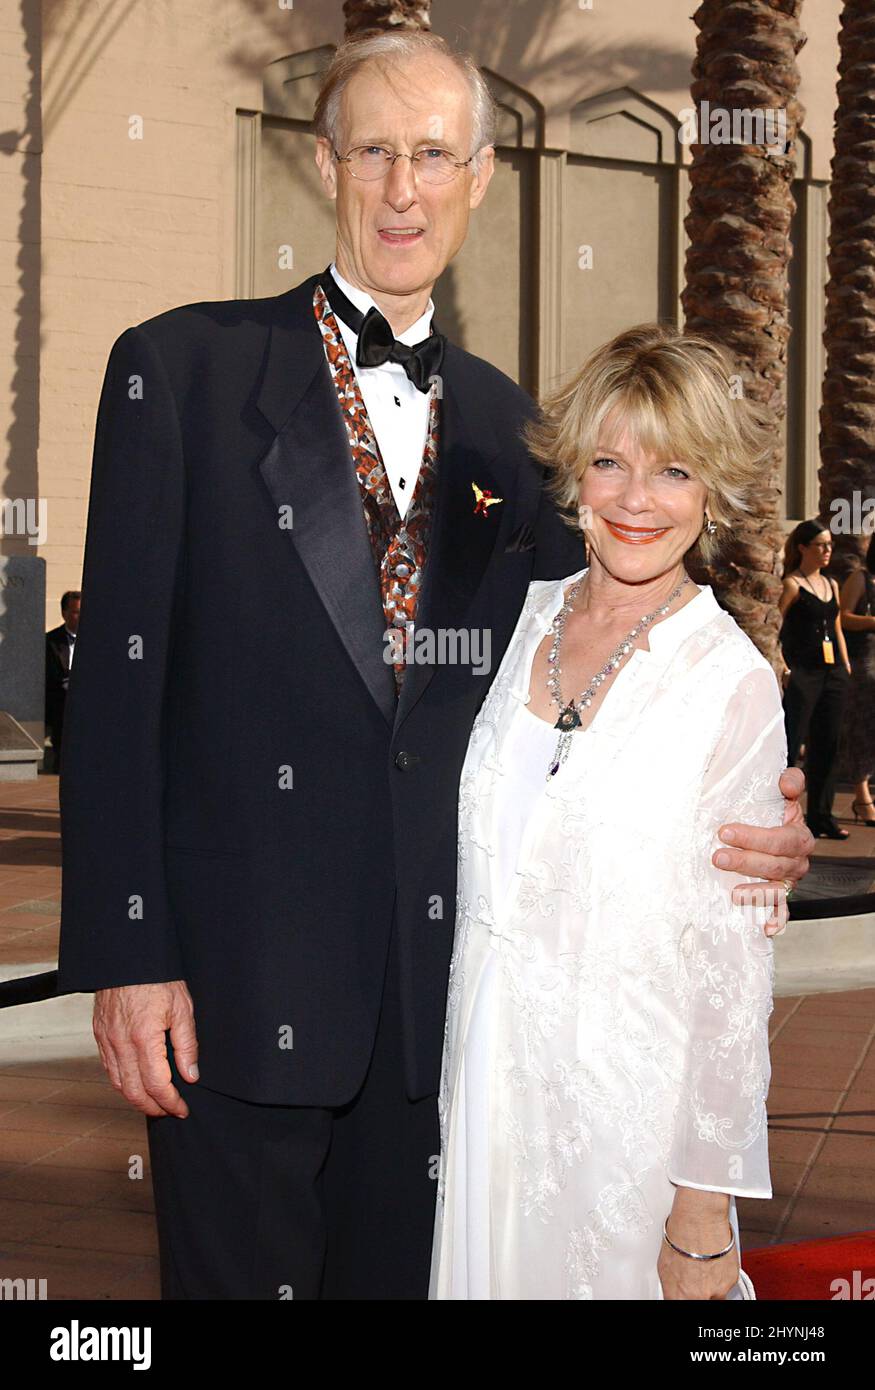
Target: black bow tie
{"type": "Point", "coordinates": [377, 343]}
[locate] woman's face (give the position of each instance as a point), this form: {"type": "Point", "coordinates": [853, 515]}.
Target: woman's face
{"type": "Point", "coordinates": [819, 550]}
{"type": "Point", "coordinates": [640, 515]}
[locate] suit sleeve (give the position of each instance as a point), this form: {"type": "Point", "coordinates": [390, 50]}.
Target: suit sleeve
{"type": "Point", "coordinates": [559, 551]}
{"type": "Point", "coordinates": [54, 680]}
{"type": "Point", "coordinates": [116, 923]}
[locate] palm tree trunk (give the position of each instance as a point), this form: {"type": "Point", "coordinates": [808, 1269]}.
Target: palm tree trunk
{"type": "Point", "coordinates": [365, 16]}
{"type": "Point", "coordinates": [737, 264]}
{"type": "Point", "coordinates": [847, 416]}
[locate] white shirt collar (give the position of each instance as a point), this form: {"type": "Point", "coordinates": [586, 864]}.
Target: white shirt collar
{"type": "Point", "coordinates": [363, 302]}
{"type": "Point", "coordinates": [668, 634]}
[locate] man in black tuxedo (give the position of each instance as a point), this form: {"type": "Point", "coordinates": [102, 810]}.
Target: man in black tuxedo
{"type": "Point", "coordinates": [60, 642]}
{"type": "Point", "coordinates": [259, 799]}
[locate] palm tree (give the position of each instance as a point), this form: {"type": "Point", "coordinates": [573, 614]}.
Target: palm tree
{"type": "Point", "coordinates": [737, 263]}
{"type": "Point", "coordinates": [847, 416]}
{"type": "Point", "coordinates": [365, 15]}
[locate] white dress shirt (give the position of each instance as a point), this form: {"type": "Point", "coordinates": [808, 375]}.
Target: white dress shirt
{"type": "Point", "coordinates": [397, 410]}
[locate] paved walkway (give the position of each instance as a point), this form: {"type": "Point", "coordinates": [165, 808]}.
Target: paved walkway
{"type": "Point", "coordinates": [75, 1191]}
{"type": "Point", "coordinates": [842, 868]}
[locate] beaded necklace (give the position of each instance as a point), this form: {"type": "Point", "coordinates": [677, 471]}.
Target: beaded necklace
{"type": "Point", "coordinates": [569, 711]}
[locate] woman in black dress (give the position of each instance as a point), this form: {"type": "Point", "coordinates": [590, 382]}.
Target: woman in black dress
{"type": "Point", "coordinates": [858, 735]}
{"type": "Point", "coordinates": [818, 670]}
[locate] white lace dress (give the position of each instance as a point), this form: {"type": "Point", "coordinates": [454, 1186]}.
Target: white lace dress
{"type": "Point", "coordinates": [606, 1030]}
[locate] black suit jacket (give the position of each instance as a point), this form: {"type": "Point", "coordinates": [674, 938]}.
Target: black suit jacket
{"type": "Point", "coordinates": [57, 671]}
{"type": "Point", "coordinates": [243, 806]}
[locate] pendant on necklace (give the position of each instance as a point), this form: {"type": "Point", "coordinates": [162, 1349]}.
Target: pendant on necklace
{"type": "Point", "coordinates": [568, 721]}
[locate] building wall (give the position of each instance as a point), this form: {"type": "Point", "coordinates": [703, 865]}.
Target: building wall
{"type": "Point", "coordinates": [20, 147]}
{"type": "Point", "coordinates": [146, 170]}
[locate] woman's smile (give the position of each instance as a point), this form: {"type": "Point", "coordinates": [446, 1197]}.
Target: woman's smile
{"type": "Point", "coordinates": [635, 535]}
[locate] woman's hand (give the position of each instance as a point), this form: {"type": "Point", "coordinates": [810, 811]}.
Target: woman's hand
{"type": "Point", "coordinates": [785, 676]}
{"type": "Point", "coordinates": [699, 1222]}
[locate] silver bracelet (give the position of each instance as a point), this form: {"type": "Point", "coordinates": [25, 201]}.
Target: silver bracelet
{"type": "Point", "coordinates": [689, 1253]}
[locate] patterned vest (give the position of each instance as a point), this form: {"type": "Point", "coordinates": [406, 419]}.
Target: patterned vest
{"type": "Point", "coordinates": [400, 548]}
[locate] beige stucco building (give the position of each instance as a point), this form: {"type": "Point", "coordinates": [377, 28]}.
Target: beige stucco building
{"type": "Point", "coordinates": [158, 153]}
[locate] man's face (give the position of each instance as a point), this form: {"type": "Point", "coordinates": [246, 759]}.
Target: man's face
{"type": "Point", "coordinates": [397, 233]}
{"type": "Point", "coordinates": [71, 614]}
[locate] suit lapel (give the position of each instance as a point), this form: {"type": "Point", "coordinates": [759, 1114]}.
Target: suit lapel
{"type": "Point", "coordinates": [462, 542]}
{"type": "Point", "coordinates": [308, 468]}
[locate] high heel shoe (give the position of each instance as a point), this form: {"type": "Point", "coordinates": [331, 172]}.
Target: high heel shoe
{"type": "Point", "coordinates": [856, 807]}
{"type": "Point", "coordinates": [827, 830]}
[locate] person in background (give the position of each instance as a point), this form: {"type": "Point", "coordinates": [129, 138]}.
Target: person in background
{"type": "Point", "coordinates": [817, 670]}
{"type": "Point", "coordinates": [59, 660]}
{"type": "Point", "coordinates": [858, 729]}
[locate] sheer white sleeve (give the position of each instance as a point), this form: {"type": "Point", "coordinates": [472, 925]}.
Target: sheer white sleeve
{"type": "Point", "coordinates": [720, 1140]}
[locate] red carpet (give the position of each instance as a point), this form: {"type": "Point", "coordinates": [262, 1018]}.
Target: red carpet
{"type": "Point", "coordinates": [842, 1267]}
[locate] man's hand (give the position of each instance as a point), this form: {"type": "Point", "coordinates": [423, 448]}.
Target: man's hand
{"type": "Point", "coordinates": [779, 854]}
{"type": "Point", "coordinates": [129, 1025]}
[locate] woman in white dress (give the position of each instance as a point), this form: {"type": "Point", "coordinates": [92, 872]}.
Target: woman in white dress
{"type": "Point", "coordinates": [606, 1057]}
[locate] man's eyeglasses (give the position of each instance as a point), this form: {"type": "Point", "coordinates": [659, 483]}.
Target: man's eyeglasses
{"type": "Point", "coordinates": [433, 165]}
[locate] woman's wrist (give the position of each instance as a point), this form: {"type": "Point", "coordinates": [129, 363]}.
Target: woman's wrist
{"type": "Point", "coordinates": [700, 1200]}
{"type": "Point", "coordinates": [699, 1220]}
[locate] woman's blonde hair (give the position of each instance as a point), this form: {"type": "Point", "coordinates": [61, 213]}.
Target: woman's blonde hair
{"type": "Point", "coordinates": [680, 397]}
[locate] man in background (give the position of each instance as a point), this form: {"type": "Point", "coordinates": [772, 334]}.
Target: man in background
{"type": "Point", "coordinates": [59, 661]}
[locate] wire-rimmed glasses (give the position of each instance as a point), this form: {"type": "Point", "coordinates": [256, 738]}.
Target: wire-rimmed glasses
{"type": "Point", "coordinates": [433, 164]}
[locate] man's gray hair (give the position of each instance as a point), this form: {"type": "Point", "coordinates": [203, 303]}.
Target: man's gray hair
{"type": "Point", "coordinates": [400, 47]}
